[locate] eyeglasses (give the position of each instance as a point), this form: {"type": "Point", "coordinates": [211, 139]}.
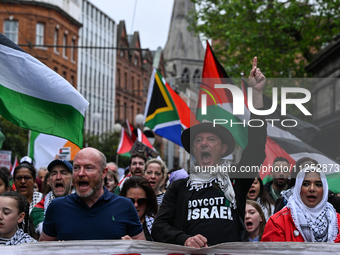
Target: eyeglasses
{"type": "Point", "coordinates": [140, 201]}
{"type": "Point", "coordinates": [26, 178]}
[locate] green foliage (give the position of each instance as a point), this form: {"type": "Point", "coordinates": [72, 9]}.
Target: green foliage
{"type": "Point", "coordinates": [107, 143]}
{"type": "Point", "coordinates": [16, 138]}
{"type": "Point", "coordinates": [284, 35]}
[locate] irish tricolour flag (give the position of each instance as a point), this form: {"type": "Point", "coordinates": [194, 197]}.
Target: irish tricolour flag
{"type": "Point", "coordinates": [44, 148]}
{"type": "Point", "coordinates": [35, 97]}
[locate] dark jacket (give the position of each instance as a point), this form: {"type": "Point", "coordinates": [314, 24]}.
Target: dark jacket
{"type": "Point", "coordinates": [171, 220]}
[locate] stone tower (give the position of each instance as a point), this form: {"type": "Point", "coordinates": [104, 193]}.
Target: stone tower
{"type": "Point", "coordinates": [183, 52]}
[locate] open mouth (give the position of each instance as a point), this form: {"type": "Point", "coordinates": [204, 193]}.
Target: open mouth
{"type": "Point", "coordinates": [83, 184]}
{"type": "Point", "coordinates": [311, 198]}
{"type": "Point", "coordinates": [23, 188]}
{"type": "Point", "coordinates": [59, 186]}
{"type": "Point", "coordinates": [152, 183]}
{"type": "Point", "coordinates": [249, 224]}
{"type": "Point", "coordinates": [251, 192]}
{"type": "Point", "coordinates": [205, 156]}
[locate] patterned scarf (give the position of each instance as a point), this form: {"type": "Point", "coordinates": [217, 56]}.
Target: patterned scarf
{"type": "Point", "coordinates": [149, 221]}
{"type": "Point", "coordinates": [204, 179]}
{"type": "Point", "coordinates": [18, 238]}
{"type": "Point", "coordinates": [37, 196]}
{"type": "Point", "coordinates": [318, 224]}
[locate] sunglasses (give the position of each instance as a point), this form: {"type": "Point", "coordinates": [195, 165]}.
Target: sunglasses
{"type": "Point", "coordinates": [26, 178]}
{"type": "Point", "coordinates": [140, 201]}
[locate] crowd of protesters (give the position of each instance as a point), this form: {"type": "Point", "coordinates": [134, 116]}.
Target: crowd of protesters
{"type": "Point", "coordinates": [86, 199]}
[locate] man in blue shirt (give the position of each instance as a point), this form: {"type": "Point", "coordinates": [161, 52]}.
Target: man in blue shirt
{"type": "Point", "coordinates": [92, 212]}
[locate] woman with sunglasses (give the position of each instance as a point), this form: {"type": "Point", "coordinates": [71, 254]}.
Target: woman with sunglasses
{"type": "Point", "coordinates": [143, 197]}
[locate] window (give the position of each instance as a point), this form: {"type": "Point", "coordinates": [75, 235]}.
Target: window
{"type": "Point", "coordinates": [136, 61]}
{"type": "Point", "coordinates": [64, 75]}
{"type": "Point", "coordinates": [72, 80]}
{"type": "Point", "coordinates": [197, 76]}
{"type": "Point", "coordinates": [64, 44]}
{"type": "Point", "coordinates": [73, 43]}
{"type": "Point", "coordinates": [11, 30]}
{"type": "Point", "coordinates": [39, 34]}
{"type": "Point", "coordinates": [185, 75]}
{"type": "Point", "coordinates": [55, 42]}
{"type": "Point", "coordinates": [118, 77]}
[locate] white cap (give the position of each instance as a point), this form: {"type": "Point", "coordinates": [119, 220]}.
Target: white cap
{"type": "Point", "coordinates": [26, 159]}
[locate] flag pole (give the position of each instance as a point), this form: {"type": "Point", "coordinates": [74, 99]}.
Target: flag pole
{"type": "Point", "coordinates": [29, 139]}
{"type": "Point", "coordinates": [117, 159]}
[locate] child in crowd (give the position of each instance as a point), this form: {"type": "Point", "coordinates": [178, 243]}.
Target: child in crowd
{"type": "Point", "coordinates": [14, 219]}
{"type": "Point", "coordinates": [258, 193]}
{"type": "Point", "coordinates": [4, 183]}
{"type": "Point", "coordinates": [111, 181]}
{"type": "Point", "coordinates": [254, 221]}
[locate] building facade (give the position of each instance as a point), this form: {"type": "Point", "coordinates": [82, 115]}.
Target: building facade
{"type": "Point", "coordinates": [40, 28]}
{"type": "Point", "coordinates": [326, 98]}
{"type": "Point", "coordinates": [97, 68]}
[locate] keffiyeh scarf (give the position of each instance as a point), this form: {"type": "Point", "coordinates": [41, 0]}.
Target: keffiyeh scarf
{"type": "Point", "coordinates": [204, 179]}
{"type": "Point", "coordinates": [18, 238]}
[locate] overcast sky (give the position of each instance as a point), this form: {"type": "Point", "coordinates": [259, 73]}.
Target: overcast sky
{"type": "Point", "coordinates": [152, 18]}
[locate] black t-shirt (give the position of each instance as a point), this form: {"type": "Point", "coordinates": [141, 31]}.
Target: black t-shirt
{"type": "Point", "coordinates": [209, 214]}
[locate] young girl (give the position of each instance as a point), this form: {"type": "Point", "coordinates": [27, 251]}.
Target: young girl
{"type": "Point", "coordinates": [254, 221]}
{"type": "Point", "coordinates": [13, 212]}
{"type": "Point", "coordinates": [258, 193]}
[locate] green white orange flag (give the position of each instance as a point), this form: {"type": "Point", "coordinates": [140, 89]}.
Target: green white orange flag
{"type": "Point", "coordinates": [43, 148]}
{"type": "Point", "coordinates": [35, 97]}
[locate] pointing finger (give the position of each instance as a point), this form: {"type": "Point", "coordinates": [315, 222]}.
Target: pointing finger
{"type": "Point", "coordinates": [255, 62]}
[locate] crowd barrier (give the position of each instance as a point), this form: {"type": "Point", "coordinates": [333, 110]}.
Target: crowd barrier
{"type": "Point", "coordinates": [115, 247]}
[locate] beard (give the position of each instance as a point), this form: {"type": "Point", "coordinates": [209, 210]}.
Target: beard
{"type": "Point", "coordinates": [280, 184]}
{"type": "Point", "coordinates": [90, 192]}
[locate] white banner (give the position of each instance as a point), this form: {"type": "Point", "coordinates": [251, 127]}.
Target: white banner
{"type": "Point", "coordinates": [115, 247]}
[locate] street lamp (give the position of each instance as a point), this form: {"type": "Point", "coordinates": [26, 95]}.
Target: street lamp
{"type": "Point", "coordinates": [139, 119]}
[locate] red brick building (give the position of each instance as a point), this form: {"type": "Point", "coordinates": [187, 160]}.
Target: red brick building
{"type": "Point", "coordinates": [134, 68]}
{"type": "Point", "coordinates": [37, 23]}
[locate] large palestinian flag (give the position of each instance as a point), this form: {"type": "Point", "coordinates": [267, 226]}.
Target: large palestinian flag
{"type": "Point", "coordinates": [35, 97]}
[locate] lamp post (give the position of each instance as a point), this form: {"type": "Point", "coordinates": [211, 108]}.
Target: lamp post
{"type": "Point", "coordinates": [117, 128]}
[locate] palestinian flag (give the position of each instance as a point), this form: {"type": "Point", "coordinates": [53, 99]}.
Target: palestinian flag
{"type": "Point", "coordinates": [125, 144]}
{"type": "Point", "coordinates": [219, 101]}
{"type": "Point", "coordinates": [35, 97]}
{"type": "Point", "coordinates": [43, 148]}
{"type": "Point", "coordinates": [165, 113]}
{"type": "Point", "coordinates": [287, 142]}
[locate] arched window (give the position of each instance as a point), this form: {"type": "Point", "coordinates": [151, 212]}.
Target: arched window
{"type": "Point", "coordinates": [197, 76]}
{"type": "Point", "coordinates": [185, 76]}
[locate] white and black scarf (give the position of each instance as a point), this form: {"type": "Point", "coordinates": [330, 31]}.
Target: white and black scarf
{"type": "Point", "coordinates": [318, 224]}
{"type": "Point", "coordinates": [204, 179]}
{"type": "Point", "coordinates": [18, 238]}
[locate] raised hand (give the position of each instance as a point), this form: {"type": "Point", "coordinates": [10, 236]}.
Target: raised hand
{"type": "Point", "coordinates": [256, 78]}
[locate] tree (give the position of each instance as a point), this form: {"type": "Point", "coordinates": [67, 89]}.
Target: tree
{"type": "Point", "coordinates": [16, 138]}
{"type": "Point", "coordinates": [107, 143]}
{"type": "Point", "coordinates": [284, 35]}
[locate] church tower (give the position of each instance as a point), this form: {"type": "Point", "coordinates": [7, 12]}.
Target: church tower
{"type": "Point", "coordinates": [183, 52]}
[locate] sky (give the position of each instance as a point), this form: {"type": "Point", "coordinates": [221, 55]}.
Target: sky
{"type": "Point", "coordinates": [152, 18]}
